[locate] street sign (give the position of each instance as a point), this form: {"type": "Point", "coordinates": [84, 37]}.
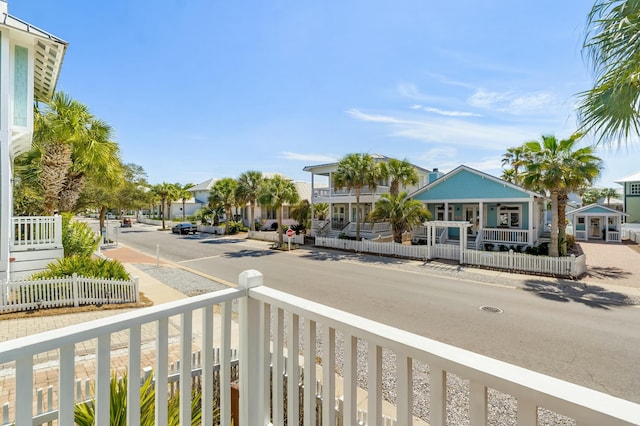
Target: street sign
{"type": "Point", "coordinates": [289, 232]}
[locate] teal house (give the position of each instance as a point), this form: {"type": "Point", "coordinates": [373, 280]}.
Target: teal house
{"type": "Point", "coordinates": [489, 211]}
{"type": "Point", "coordinates": [596, 222]}
{"type": "Point", "coordinates": [631, 196]}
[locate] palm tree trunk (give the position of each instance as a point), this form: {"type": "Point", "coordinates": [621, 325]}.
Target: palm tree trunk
{"type": "Point", "coordinates": [183, 210]}
{"type": "Point", "coordinates": [279, 219]}
{"type": "Point", "coordinates": [162, 213]}
{"type": "Point", "coordinates": [553, 245]}
{"type": "Point", "coordinates": [357, 214]}
{"type": "Point", "coordinates": [562, 223]}
{"type": "Point", "coordinates": [253, 223]}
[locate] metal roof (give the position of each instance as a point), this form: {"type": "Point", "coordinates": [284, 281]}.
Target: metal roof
{"type": "Point", "coordinates": [48, 49]}
{"type": "Point", "coordinates": [631, 178]}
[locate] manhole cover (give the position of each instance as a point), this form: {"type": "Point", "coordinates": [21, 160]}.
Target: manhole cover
{"type": "Point", "coordinates": [491, 309]}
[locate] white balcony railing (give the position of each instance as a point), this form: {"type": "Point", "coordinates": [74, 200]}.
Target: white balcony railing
{"type": "Point", "coordinates": [263, 316]}
{"type": "Point", "coordinates": [36, 232]}
{"type": "Point", "coordinates": [507, 236]}
{"type": "Point", "coordinates": [334, 192]}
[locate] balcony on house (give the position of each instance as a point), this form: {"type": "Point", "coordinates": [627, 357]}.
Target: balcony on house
{"type": "Point", "coordinates": [34, 242]}
{"type": "Point", "coordinates": [280, 339]}
{"type": "Point", "coordinates": [343, 192]}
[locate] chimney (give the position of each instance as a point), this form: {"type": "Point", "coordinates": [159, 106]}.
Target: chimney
{"type": "Point", "coordinates": [3, 7]}
{"type": "Point", "coordinates": [435, 170]}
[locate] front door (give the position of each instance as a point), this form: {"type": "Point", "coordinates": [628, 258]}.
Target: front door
{"type": "Point", "coordinates": [471, 216]}
{"type": "Point", "coordinates": [594, 228]}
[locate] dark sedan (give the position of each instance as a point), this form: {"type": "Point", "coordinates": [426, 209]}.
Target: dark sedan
{"type": "Point", "coordinates": [184, 228]}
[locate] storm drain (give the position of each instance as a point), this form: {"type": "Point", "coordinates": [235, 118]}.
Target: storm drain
{"type": "Point", "coordinates": [491, 309]}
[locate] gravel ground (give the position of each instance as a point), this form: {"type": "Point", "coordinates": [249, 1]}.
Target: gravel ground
{"type": "Point", "coordinates": [502, 407]}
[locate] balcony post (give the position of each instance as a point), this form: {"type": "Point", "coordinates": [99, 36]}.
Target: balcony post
{"type": "Point", "coordinates": [252, 411]}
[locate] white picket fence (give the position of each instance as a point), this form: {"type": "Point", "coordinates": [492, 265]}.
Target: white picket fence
{"type": "Point", "coordinates": [571, 266]}
{"type": "Point", "coordinates": [27, 295]}
{"type": "Point", "coordinates": [274, 238]}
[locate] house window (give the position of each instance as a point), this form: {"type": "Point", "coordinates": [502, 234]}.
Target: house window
{"type": "Point", "coordinates": [581, 220]}
{"type": "Point", "coordinates": [271, 213]}
{"type": "Point", "coordinates": [509, 216]}
{"type": "Point", "coordinates": [634, 189]}
{"type": "Point", "coordinates": [440, 213]}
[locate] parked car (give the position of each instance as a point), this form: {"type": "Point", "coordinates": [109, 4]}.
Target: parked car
{"type": "Point", "coordinates": [126, 222]}
{"type": "Point", "coordinates": [184, 228]}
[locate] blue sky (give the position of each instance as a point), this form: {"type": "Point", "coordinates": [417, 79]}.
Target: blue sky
{"type": "Point", "coordinates": [203, 89]}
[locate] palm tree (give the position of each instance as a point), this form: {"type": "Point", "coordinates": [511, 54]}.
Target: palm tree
{"type": "Point", "coordinates": [223, 193]}
{"type": "Point", "coordinates": [321, 210]}
{"type": "Point", "coordinates": [276, 192]}
{"type": "Point", "coordinates": [354, 172]}
{"type": "Point", "coordinates": [591, 196]}
{"type": "Point", "coordinates": [400, 172]}
{"type": "Point", "coordinates": [248, 189]}
{"type": "Point", "coordinates": [166, 192]}
{"type": "Point", "coordinates": [509, 175]}
{"type": "Point", "coordinates": [70, 144]}
{"type": "Point", "coordinates": [514, 158]}
{"type": "Point", "coordinates": [609, 193]}
{"type": "Point", "coordinates": [611, 108]}
{"type": "Point", "coordinates": [301, 213]}
{"type": "Point", "coordinates": [184, 194]}
{"type": "Point", "coordinates": [555, 166]}
{"type": "Point", "coordinates": [401, 212]}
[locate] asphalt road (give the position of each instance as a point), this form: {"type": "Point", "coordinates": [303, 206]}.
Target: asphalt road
{"type": "Point", "coordinates": [593, 345]}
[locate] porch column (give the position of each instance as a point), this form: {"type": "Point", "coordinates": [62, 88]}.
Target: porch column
{"type": "Point", "coordinates": [480, 220]}
{"type": "Point", "coordinates": [531, 221]}
{"type": "Point", "coordinates": [330, 184]}
{"type": "Point", "coordinates": [446, 211]}
{"type": "Point", "coordinates": [463, 241]}
{"type": "Point", "coordinates": [429, 242]}
{"type": "Point", "coordinates": [312, 203]}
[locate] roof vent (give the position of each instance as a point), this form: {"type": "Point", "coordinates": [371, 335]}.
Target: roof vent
{"type": "Point", "coordinates": [435, 170]}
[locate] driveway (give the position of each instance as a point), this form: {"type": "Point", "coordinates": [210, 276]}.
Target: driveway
{"type": "Point", "coordinates": [612, 263]}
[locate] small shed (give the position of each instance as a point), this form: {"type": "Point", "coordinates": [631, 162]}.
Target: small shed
{"type": "Point", "coordinates": [596, 222]}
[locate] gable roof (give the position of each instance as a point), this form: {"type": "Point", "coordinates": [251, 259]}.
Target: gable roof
{"type": "Point", "coordinates": [597, 209]}
{"type": "Point", "coordinates": [466, 169]}
{"type": "Point", "coordinates": [203, 186]}
{"type": "Point", "coordinates": [631, 178]}
{"type": "Point", "coordinates": [48, 52]}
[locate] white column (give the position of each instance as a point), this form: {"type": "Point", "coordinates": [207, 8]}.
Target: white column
{"type": "Point", "coordinates": [250, 386]}
{"type": "Point", "coordinates": [6, 201]}
{"type": "Point", "coordinates": [312, 196]}
{"type": "Point", "coordinates": [531, 221]}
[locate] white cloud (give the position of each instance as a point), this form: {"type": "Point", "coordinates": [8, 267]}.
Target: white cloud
{"type": "Point", "coordinates": [510, 102]}
{"type": "Point", "coordinates": [451, 113]}
{"type": "Point", "coordinates": [371, 117]}
{"type": "Point", "coordinates": [318, 158]}
{"type": "Point", "coordinates": [452, 131]}
{"type": "Point", "coordinates": [416, 106]}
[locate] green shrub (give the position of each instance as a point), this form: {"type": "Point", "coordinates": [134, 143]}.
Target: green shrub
{"type": "Point", "coordinates": [84, 266]}
{"type": "Point", "coordinates": [84, 413]}
{"type": "Point", "coordinates": [78, 239]}
{"type": "Point", "coordinates": [235, 227]}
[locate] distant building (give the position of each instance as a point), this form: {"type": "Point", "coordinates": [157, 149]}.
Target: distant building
{"type": "Point", "coordinates": [631, 197]}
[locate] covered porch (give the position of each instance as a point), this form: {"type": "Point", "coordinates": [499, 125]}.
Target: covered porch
{"type": "Point", "coordinates": [510, 223]}
{"type": "Point", "coordinates": [597, 222]}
